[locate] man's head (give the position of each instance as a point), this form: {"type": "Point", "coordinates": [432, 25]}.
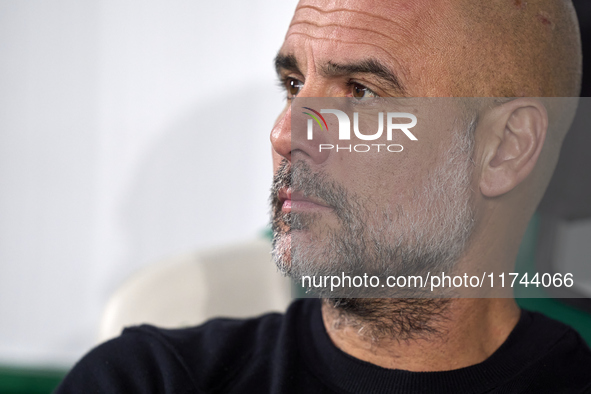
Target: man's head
{"type": "Point", "coordinates": [401, 48]}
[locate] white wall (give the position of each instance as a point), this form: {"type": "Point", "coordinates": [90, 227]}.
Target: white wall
{"type": "Point", "coordinates": [130, 130]}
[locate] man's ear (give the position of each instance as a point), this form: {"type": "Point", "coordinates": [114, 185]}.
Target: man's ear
{"type": "Point", "coordinates": [512, 147]}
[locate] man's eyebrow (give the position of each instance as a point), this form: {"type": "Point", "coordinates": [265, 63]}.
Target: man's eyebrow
{"type": "Point", "coordinates": [286, 63]}
{"type": "Point", "coordinates": [368, 66]}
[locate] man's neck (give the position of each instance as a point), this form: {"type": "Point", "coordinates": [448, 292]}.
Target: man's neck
{"type": "Point", "coordinates": [471, 331]}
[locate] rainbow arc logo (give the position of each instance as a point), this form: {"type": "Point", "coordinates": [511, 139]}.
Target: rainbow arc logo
{"type": "Point", "coordinates": [316, 117]}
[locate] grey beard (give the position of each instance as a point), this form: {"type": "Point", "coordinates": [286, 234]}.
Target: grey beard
{"type": "Point", "coordinates": [429, 234]}
{"type": "Point", "coordinates": [402, 319]}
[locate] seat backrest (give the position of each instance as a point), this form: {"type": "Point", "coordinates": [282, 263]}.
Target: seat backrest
{"type": "Point", "coordinates": [233, 281]}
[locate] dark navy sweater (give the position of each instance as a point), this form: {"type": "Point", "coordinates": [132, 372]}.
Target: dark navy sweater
{"type": "Point", "coordinates": [292, 353]}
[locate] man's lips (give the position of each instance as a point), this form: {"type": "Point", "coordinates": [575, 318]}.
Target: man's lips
{"type": "Point", "coordinates": [294, 200]}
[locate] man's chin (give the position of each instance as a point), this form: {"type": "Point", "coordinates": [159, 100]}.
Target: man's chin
{"type": "Point", "coordinates": [302, 242]}
{"type": "Point", "coordinates": [282, 251]}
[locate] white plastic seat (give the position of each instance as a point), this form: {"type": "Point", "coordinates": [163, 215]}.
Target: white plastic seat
{"type": "Point", "coordinates": [234, 281]}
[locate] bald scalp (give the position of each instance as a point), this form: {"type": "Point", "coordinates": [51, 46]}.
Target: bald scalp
{"type": "Point", "coordinates": [519, 48]}
{"type": "Point", "coordinates": [461, 48]}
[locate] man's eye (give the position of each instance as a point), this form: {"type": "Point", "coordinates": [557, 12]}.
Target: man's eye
{"type": "Point", "coordinates": [360, 91]}
{"type": "Point", "coordinates": [293, 86]}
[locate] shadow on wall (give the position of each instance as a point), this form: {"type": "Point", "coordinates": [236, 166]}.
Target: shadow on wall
{"type": "Point", "coordinates": [206, 180]}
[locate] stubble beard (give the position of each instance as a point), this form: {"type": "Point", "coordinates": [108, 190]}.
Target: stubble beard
{"type": "Point", "coordinates": [428, 234]}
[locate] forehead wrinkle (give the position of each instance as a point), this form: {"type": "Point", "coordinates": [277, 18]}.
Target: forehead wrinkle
{"type": "Point", "coordinates": [337, 25]}
{"type": "Point", "coordinates": [355, 22]}
{"type": "Point", "coordinates": [320, 10]}
{"type": "Point", "coordinates": [402, 70]}
{"type": "Point", "coordinates": [388, 35]}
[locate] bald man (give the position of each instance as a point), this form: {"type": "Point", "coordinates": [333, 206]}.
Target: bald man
{"type": "Point", "coordinates": [481, 175]}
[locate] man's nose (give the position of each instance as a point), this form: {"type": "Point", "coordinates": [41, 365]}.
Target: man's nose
{"type": "Point", "coordinates": [289, 138]}
{"type": "Point", "coordinates": [281, 134]}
